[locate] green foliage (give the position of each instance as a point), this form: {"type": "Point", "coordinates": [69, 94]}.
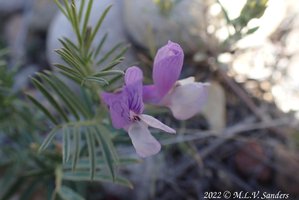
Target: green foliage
{"type": "Point", "coordinates": [73, 106]}
{"type": "Point", "coordinates": [22, 170]}
{"type": "Point", "coordinates": [252, 9]}
{"type": "Point", "coordinates": [67, 193]}
{"type": "Point", "coordinates": [11, 107]}
{"type": "Point", "coordinates": [81, 58]}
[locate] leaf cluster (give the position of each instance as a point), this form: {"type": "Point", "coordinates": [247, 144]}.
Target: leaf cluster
{"type": "Point", "coordinates": [251, 10]}
{"type": "Point", "coordinates": [82, 56]}
{"type": "Point", "coordinates": [71, 103]}
{"type": "Point", "coordinates": [23, 171]}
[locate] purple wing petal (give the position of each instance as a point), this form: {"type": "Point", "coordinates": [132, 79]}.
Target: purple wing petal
{"type": "Point", "coordinates": [145, 144]}
{"type": "Point", "coordinates": [118, 107]}
{"type": "Point", "coordinates": [168, 64]}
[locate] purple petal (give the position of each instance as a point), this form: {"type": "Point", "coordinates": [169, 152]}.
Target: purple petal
{"type": "Point", "coordinates": [145, 144]}
{"type": "Point", "coordinates": [153, 122]}
{"type": "Point", "coordinates": [170, 49]}
{"type": "Point", "coordinates": [134, 93]}
{"type": "Point", "coordinates": [187, 100]}
{"type": "Point", "coordinates": [118, 107]}
{"type": "Point", "coordinates": [151, 94]}
{"type": "Point", "coordinates": [168, 64]}
{"type": "Point", "coordinates": [133, 74]}
{"type": "Point", "coordinates": [133, 89]}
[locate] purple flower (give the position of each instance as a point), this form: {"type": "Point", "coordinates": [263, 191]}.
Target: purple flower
{"type": "Point", "coordinates": [126, 108]}
{"type": "Point", "coordinates": [185, 98]}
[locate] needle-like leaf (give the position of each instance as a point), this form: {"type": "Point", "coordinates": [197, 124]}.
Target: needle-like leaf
{"type": "Point", "coordinates": [43, 109]}
{"type": "Point", "coordinates": [49, 139]}
{"type": "Point", "coordinates": [50, 98]}
{"type": "Point", "coordinates": [91, 151]}
{"type": "Point", "coordinates": [106, 151]}
{"type": "Point", "coordinates": [77, 147]}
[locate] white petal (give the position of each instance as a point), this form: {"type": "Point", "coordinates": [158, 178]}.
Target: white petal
{"type": "Point", "coordinates": [145, 144]}
{"type": "Point", "coordinates": [186, 81]}
{"type": "Point", "coordinates": [187, 100]}
{"type": "Point", "coordinates": [153, 122]}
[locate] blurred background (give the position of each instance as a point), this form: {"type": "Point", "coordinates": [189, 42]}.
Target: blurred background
{"type": "Point", "coordinates": [245, 139]}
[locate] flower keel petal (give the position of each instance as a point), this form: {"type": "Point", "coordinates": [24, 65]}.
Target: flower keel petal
{"type": "Point", "coordinates": [145, 144]}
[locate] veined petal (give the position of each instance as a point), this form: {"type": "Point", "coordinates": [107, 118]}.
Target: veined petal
{"type": "Point", "coordinates": [168, 64]}
{"type": "Point", "coordinates": [133, 89]}
{"type": "Point", "coordinates": [168, 50]}
{"type": "Point", "coordinates": [187, 100]}
{"type": "Point", "coordinates": [118, 107]}
{"type": "Point", "coordinates": [133, 75]}
{"type": "Point", "coordinates": [153, 122]}
{"type": "Point", "coordinates": [134, 93]}
{"type": "Point", "coordinates": [145, 144]}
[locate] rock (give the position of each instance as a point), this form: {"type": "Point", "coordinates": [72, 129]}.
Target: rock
{"type": "Point", "coordinates": [12, 33]}
{"type": "Point", "coordinates": [21, 79]}
{"type": "Point", "coordinates": [112, 25]}
{"type": "Point", "coordinates": [20, 27]}
{"type": "Point", "coordinates": [38, 13]}
{"type": "Point", "coordinates": [185, 24]}
{"type": "Point", "coordinates": [10, 6]}
{"type": "Point", "coordinates": [43, 11]}
{"type": "Point", "coordinates": [250, 161]}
